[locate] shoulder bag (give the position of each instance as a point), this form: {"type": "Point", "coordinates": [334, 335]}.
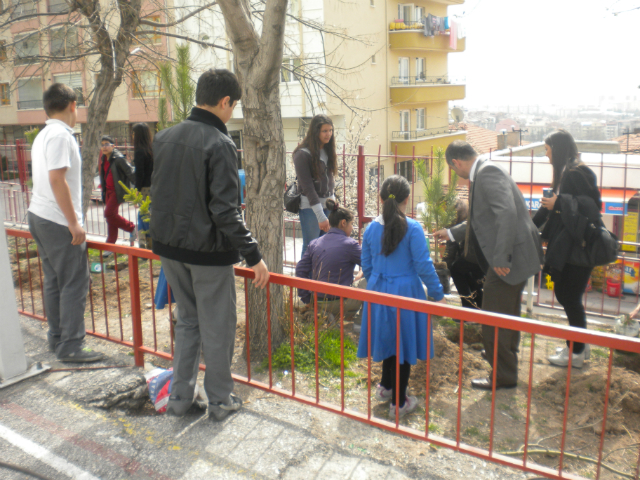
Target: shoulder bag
{"type": "Point", "coordinates": [600, 247]}
{"type": "Point", "coordinates": [292, 198]}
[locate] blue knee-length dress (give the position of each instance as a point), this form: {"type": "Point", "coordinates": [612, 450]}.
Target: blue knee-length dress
{"type": "Point", "coordinates": [401, 273]}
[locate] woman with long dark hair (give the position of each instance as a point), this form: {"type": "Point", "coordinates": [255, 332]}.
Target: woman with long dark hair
{"type": "Point", "coordinates": [396, 260]}
{"type": "Point", "coordinates": [143, 161]}
{"type": "Point", "coordinates": [315, 161]}
{"type": "Point", "coordinates": [575, 190]}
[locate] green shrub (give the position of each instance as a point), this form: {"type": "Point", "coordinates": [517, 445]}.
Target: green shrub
{"type": "Point", "coordinates": [305, 357]}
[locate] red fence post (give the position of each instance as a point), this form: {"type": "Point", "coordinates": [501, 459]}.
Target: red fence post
{"type": "Point", "coordinates": [136, 315]}
{"type": "Point", "coordinates": [21, 159]}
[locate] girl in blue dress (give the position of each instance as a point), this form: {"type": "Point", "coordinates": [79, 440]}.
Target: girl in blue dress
{"type": "Point", "coordinates": [396, 260]}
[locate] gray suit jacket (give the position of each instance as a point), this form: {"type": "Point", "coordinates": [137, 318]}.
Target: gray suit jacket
{"type": "Point", "coordinates": [502, 224]}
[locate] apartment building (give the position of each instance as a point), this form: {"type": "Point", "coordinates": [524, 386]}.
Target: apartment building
{"type": "Point", "coordinates": [369, 65]}
{"type": "Point", "coordinates": [42, 50]}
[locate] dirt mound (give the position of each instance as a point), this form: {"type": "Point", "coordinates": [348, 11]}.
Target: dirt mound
{"type": "Point", "coordinates": [445, 365]}
{"type": "Point", "coordinates": [586, 397]}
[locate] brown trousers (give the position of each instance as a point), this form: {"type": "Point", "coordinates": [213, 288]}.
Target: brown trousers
{"type": "Point", "coordinates": [500, 297]}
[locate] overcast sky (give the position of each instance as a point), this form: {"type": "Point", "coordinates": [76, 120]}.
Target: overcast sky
{"type": "Point", "coordinates": [562, 52]}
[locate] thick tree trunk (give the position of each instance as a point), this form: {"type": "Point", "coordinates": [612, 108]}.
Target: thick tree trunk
{"type": "Point", "coordinates": [258, 60]}
{"type": "Point", "coordinates": [265, 170]}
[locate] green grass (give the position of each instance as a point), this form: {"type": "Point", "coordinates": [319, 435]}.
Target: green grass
{"type": "Point", "coordinates": [305, 357]}
{"type": "Point", "coordinates": [504, 406]}
{"type": "Point", "coordinates": [599, 352]}
{"type": "Point", "coordinates": [433, 428]}
{"type": "Point", "coordinates": [472, 431]}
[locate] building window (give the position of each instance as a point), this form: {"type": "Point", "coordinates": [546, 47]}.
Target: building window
{"type": "Point", "coordinates": [3, 50]}
{"type": "Point", "coordinates": [373, 59]}
{"type": "Point", "coordinates": [373, 175]}
{"type": "Point", "coordinates": [289, 66]}
{"type": "Point", "coordinates": [372, 3]}
{"type": "Point", "coordinates": [150, 37]}
{"type": "Point", "coordinates": [74, 80]}
{"type": "Point", "coordinates": [420, 70]}
{"type": "Point", "coordinates": [420, 118]}
{"type": "Point", "coordinates": [404, 121]}
{"type": "Point", "coordinates": [30, 93]}
{"type": "Point", "coordinates": [5, 95]}
{"type": "Point", "coordinates": [58, 6]}
{"type": "Point", "coordinates": [419, 14]}
{"type": "Point", "coordinates": [403, 70]}
{"type": "Point", "coordinates": [27, 48]}
{"type": "Point", "coordinates": [64, 42]}
{"type": "Point", "coordinates": [146, 84]}
{"type": "Point", "coordinates": [406, 170]}
{"type": "Point", "coordinates": [293, 7]}
{"type": "Point", "coordinates": [23, 7]}
{"type": "Point", "coordinates": [405, 12]}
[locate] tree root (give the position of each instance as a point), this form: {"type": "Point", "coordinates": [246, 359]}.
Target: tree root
{"type": "Point", "coordinates": [557, 453]}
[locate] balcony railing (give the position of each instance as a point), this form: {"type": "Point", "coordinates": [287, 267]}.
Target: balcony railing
{"type": "Point", "coordinates": [422, 80]}
{"type": "Point", "coordinates": [30, 104]}
{"type": "Point", "coordinates": [407, 24]}
{"type": "Point", "coordinates": [58, 6]}
{"type": "Point", "coordinates": [416, 134]}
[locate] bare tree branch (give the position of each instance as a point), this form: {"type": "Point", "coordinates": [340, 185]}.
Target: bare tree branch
{"type": "Point", "coordinates": [195, 12]}
{"type": "Point", "coordinates": [183, 37]}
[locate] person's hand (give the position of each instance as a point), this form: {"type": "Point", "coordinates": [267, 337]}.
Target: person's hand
{"type": "Point", "coordinates": [77, 233]}
{"type": "Point", "coordinates": [635, 311]}
{"type": "Point", "coordinates": [262, 274]}
{"type": "Point", "coordinates": [324, 226]}
{"type": "Point", "coordinates": [549, 202]}
{"type": "Point", "coordinates": [358, 276]}
{"type": "Point", "coordinates": [502, 271]}
{"type": "Point", "coordinates": [441, 235]}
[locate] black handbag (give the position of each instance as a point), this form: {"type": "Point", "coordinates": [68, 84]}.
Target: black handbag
{"type": "Point", "coordinates": [292, 198]}
{"type": "Point", "coordinates": [600, 247]}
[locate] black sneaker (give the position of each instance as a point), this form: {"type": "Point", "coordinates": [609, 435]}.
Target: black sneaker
{"type": "Point", "coordinates": [85, 355]}
{"type": "Point", "coordinates": [221, 410]}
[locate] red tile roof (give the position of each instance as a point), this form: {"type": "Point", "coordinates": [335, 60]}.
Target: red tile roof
{"type": "Point", "coordinates": [632, 145]}
{"type": "Point", "coordinates": [480, 138]}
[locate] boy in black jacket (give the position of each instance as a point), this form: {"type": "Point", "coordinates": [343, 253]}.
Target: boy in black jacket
{"type": "Point", "coordinates": [199, 234]}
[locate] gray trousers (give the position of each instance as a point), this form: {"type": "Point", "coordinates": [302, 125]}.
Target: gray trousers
{"type": "Point", "coordinates": [500, 297]}
{"type": "Point", "coordinates": [207, 300]}
{"type": "Point", "coordinates": [66, 283]}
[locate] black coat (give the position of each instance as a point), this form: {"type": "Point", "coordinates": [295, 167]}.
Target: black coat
{"type": "Point", "coordinates": [195, 189]}
{"type": "Point", "coordinates": [577, 206]}
{"type": "Point", "coordinates": [121, 170]}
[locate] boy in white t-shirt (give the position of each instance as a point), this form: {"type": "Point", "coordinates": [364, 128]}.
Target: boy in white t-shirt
{"type": "Point", "coordinates": [55, 221]}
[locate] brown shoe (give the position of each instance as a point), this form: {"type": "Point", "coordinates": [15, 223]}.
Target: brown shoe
{"type": "Point", "coordinates": [485, 384]}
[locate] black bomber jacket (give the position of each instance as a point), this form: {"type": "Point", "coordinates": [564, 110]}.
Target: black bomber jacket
{"type": "Point", "coordinates": [195, 216]}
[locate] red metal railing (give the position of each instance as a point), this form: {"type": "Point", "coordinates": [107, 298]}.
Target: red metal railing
{"type": "Point", "coordinates": [146, 336]}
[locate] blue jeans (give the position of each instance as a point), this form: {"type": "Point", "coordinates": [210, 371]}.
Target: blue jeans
{"type": "Point", "coordinates": [309, 226]}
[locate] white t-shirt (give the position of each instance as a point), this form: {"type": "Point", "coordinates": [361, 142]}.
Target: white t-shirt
{"type": "Point", "coordinates": [55, 148]}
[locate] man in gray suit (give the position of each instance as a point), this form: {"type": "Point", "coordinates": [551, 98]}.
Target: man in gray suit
{"type": "Point", "coordinates": [503, 240]}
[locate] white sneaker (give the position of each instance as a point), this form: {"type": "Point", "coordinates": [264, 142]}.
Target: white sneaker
{"type": "Point", "coordinates": [586, 351]}
{"type": "Point", "coordinates": [562, 359]}
{"type": "Point", "coordinates": [410, 404]}
{"type": "Point", "coordinates": [382, 394]}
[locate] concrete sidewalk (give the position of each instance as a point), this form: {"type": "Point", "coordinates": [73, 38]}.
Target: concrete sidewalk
{"type": "Point", "coordinates": [48, 425]}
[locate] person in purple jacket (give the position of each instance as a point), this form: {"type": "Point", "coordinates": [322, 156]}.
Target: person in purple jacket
{"type": "Point", "coordinates": [332, 259]}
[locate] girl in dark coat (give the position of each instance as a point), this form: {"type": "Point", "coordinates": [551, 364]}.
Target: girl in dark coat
{"type": "Point", "coordinates": [572, 181]}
